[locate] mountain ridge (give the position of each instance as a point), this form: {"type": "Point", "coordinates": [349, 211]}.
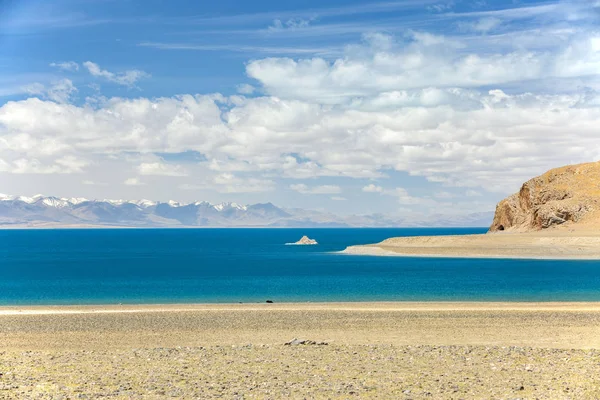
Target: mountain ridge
{"type": "Point", "coordinates": [51, 211]}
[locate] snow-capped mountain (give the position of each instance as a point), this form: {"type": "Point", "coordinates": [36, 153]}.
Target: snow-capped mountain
{"type": "Point", "coordinates": [39, 210]}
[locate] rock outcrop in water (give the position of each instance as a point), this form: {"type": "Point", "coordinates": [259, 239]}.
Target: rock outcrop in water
{"type": "Point", "coordinates": [305, 240]}
{"type": "Point", "coordinates": [561, 197]}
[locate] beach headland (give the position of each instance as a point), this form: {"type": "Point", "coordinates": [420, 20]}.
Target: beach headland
{"type": "Point", "coordinates": [378, 350]}
{"type": "Point", "coordinates": [548, 244]}
{"type": "Point", "coordinates": [553, 216]}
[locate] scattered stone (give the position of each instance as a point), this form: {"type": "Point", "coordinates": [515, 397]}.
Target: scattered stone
{"type": "Point", "coordinates": [340, 371]}
{"type": "Point", "coordinates": [298, 342]}
{"type": "Point", "coordinates": [270, 301]}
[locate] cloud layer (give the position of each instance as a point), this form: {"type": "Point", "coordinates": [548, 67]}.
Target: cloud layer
{"type": "Point", "coordinates": [480, 114]}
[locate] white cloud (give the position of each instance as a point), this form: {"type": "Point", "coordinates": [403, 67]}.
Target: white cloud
{"type": "Point", "coordinates": [292, 24]}
{"type": "Point", "coordinates": [469, 138]}
{"type": "Point", "coordinates": [405, 198]}
{"type": "Point", "coordinates": [447, 110]}
{"type": "Point", "coordinates": [371, 188]}
{"type": "Point", "coordinates": [338, 198]}
{"type": "Point", "coordinates": [472, 193]}
{"type": "Point", "coordinates": [93, 183]}
{"type": "Point", "coordinates": [60, 91]}
{"type": "Point", "coordinates": [429, 61]}
{"type": "Point", "coordinates": [72, 164]}
{"type": "Point", "coordinates": [441, 7]}
{"type": "Point", "coordinates": [133, 182]}
{"type": "Point", "coordinates": [444, 195]}
{"type": "Point", "coordinates": [127, 78]}
{"type": "Point", "coordinates": [227, 183]}
{"type": "Point", "coordinates": [161, 169]}
{"type": "Point", "coordinates": [63, 165]}
{"type": "Point", "coordinates": [322, 189]}
{"type": "Point", "coordinates": [482, 25]}
{"type": "Point", "coordinates": [4, 166]}
{"type": "Point", "coordinates": [246, 89]}
{"type": "Point", "coordinates": [34, 89]}
{"type": "Point", "coordinates": [66, 65]}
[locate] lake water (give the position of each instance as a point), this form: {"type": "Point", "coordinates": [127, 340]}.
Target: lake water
{"type": "Point", "coordinates": [254, 265]}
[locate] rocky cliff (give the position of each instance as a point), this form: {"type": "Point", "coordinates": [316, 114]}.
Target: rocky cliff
{"type": "Point", "coordinates": [565, 196]}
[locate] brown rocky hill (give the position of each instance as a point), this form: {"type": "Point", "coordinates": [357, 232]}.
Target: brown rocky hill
{"type": "Point", "coordinates": [566, 196]}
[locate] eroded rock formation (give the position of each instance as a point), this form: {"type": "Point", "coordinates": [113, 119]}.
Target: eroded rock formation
{"type": "Point", "coordinates": [560, 197]}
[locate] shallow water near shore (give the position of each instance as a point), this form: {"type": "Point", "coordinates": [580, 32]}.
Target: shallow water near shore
{"type": "Point", "coordinates": [110, 266]}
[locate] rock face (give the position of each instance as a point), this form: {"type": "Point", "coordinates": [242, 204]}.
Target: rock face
{"type": "Point", "coordinates": [305, 240]}
{"type": "Point", "coordinates": [561, 197]}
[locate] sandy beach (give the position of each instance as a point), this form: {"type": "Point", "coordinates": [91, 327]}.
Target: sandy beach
{"type": "Point", "coordinates": [361, 350]}
{"type": "Point", "coordinates": [559, 244]}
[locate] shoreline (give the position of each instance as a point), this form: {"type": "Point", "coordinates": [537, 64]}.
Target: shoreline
{"type": "Point", "coordinates": [376, 251]}
{"type": "Point", "coordinates": [553, 244]}
{"type": "Point", "coordinates": [370, 306]}
{"type": "Point", "coordinates": [533, 324]}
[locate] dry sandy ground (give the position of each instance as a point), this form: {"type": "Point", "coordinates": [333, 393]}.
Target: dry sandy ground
{"type": "Point", "coordinates": [548, 244]}
{"type": "Point", "coordinates": [374, 350]}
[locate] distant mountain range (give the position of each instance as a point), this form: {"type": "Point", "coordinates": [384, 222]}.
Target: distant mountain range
{"type": "Point", "coordinates": [48, 211]}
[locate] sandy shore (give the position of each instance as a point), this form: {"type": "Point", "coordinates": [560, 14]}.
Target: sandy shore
{"type": "Point", "coordinates": [560, 244]}
{"type": "Point", "coordinates": [378, 350]}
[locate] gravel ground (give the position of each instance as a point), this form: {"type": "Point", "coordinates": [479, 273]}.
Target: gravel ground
{"type": "Point", "coordinates": [372, 350]}
{"type": "Point", "coordinates": [304, 371]}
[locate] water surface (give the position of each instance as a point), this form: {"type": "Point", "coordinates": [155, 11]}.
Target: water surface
{"type": "Point", "coordinates": [107, 266]}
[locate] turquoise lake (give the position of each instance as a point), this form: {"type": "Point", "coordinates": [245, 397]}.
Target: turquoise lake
{"type": "Point", "coordinates": [108, 266]}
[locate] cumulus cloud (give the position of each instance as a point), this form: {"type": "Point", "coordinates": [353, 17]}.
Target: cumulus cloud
{"type": "Point", "coordinates": [447, 143]}
{"type": "Point", "coordinates": [428, 61]}
{"type": "Point", "coordinates": [127, 78]}
{"type": "Point", "coordinates": [322, 189]}
{"type": "Point", "coordinates": [425, 105]}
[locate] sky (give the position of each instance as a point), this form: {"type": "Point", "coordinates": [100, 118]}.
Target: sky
{"type": "Point", "coordinates": [355, 107]}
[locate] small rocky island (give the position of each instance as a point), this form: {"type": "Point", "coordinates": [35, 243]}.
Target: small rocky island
{"type": "Point", "coordinates": [305, 240]}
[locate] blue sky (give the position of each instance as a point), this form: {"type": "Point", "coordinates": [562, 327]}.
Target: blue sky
{"type": "Point", "coordinates": [401, 107]}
